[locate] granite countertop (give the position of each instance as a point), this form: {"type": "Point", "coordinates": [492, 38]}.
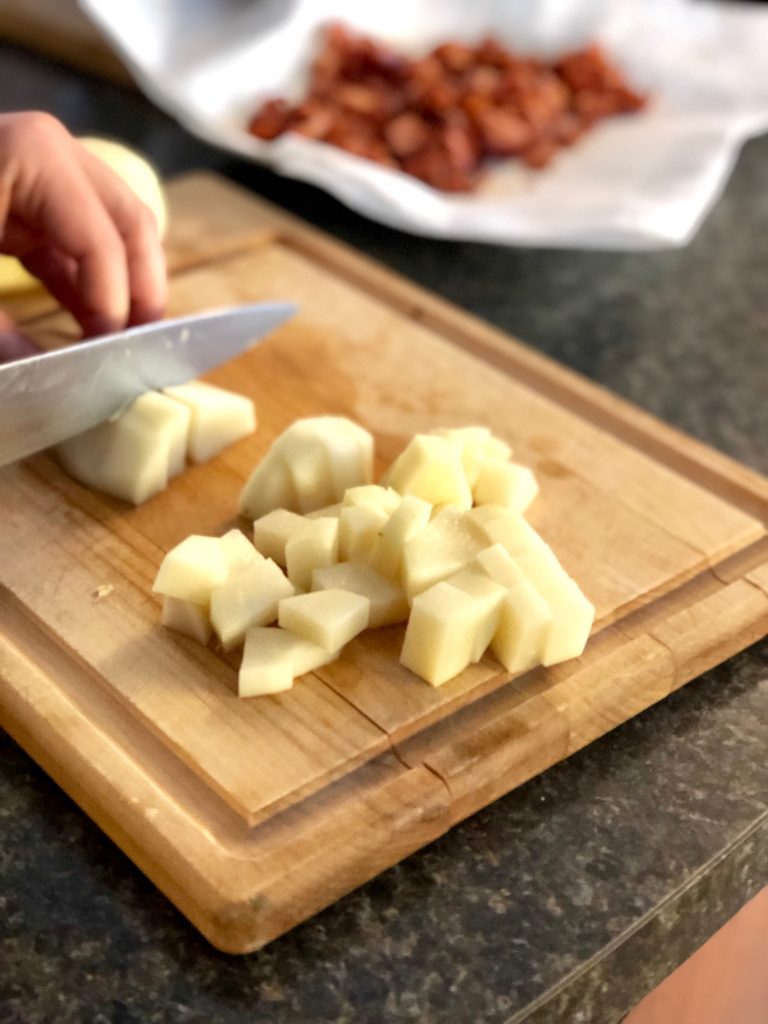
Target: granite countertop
{"type": "Point", "coordinates": [566, 900]}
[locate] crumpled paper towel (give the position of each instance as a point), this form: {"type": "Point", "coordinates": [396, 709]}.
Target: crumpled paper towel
{"type": "Point", "coordinates": [639, 182]}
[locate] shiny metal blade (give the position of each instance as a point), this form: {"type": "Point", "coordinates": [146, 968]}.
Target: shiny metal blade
{"type": "Point", "coordinates": [48, 398]}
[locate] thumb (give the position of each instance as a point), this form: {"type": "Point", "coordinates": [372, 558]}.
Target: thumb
{"type": "Point", "coordinates": [14, 344]}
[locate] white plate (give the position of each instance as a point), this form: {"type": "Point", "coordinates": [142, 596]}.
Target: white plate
{"type": "Point", "coordinates": [636, 182]}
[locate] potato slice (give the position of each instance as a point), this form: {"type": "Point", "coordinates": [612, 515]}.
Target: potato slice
{"type": "Point", "coordinates": [274, 657]}
{"type": "Point", "coordinates": [431, 468]}
{"type": "Point", "coordinates": [272, 532]}
{"type": "Point", "coordinates": [409, 518]}
{"type": "Point", "coordinates": [249, 597]}
{"type": "Point", "coordinates": [572, 614]}
{"type": "Point", "coordinates": [359, 526]}
{"type": "Point", "coordinates": [133, 456]}
{"type": "Point", "coordinates": [505, 483]}
{"type": "Point", "coordinates": [329, 618]}
{"type": "Point", "coordinates": [219, 417]}
{"type": "Point", "coordinates": [444, 547]}
{"type": "Point", "coordinates": [441, 638]}
{"type": "Point", "coordinates": [313, 546]}
{"type": "Point", "coordinates": [389, 604]}
{"type": "Point", "coordinates": [476, 444]}
{"type": "Point", "coordinates": [187, 618]}
{"type": "Point", "coordinates": [192, 569]}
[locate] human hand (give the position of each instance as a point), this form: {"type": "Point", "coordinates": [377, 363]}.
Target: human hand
{"type": "Point", "coordinates": [78, 227]}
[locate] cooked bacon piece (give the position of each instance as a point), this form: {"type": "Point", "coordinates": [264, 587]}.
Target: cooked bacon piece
{"type": "Point", "coordinates": [406, 134]}
{"type": "Point", "coordinates": [271, 120]}
{"type": "Point", "coordinates": [441, 116]}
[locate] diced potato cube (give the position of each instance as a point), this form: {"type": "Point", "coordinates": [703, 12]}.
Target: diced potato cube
{"type": "Point", "coordinates": [476, 444]}
{"type": "Point", "coordinates": [497, 563]}
{"type": "Point", "coordinates": [311, 464]}
{"type": "Point", "coordinates": [329, 618]}
{"type": "Point", "coordinates": [327, 512]}
{"type": "Point", "coordinates": [272, 532]}
{"type": "Point", "coordinates": [441, 635]}
{"type": "Point", "coordinates": [525, 624]}
{"type": "Point", "coordinates": [408, 519]}
{"type": "Point", "coordinates": [248, 598]}
{"type": "Point", "coordinates": [192, 569]}
{"type": "Point", "coordinates": [219, 418]}
{"type": "Point", "coordinates": [488, 597]}
{"type": "Point", "coordinates": [505, 483]}
{"type": "Point", "coordinates": [572, 613]}
{"type": "Point", "coordinates": [306, 457]}
{"type": "Point", "coordinates": [187, 618]}
{"type": "Point", "coordinates": [316, 544]}
{"type": "Point", "coordinates": [274, 657]}
{"type": "Point", "coordinates": [431, 468]}
{"type": "Point", "coordinates": [444, 547]}
{"type": "Point", "coordinates": [269, 487]}
{"type": "Point", "coordinates": [359, 526]}
{"type": "Point", "coordinates": [133, 456]}
{"type": "Point", "coordinates": [238, 551]}
{"type": "Point", "coordinates": [496, 525]}
{"type": "Point", "coordinates": [384, 499]}
{"type": "Point", "coordinates": [388, 601]}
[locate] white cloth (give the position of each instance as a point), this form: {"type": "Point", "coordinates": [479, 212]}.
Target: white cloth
{"type": "Point", "coordinates": [637, 182]}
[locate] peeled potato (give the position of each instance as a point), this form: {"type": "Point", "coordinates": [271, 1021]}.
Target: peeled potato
{"type": "Point", "coordinates": [133, 169]}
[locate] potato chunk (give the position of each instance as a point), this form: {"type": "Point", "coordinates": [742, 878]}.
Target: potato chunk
{"type": "Point", "coordinates": [498, 525]}
{"type": "Point", "coordinates": [409, 518]}
{"type": "Point", "coordinates": [359, 526]}
{"type": "Point", "coordinates": [524, 626]}
{"type": "Point", "coordinates": [431, 468]}
{"type": "Point", "coordinates": [192, 569]}
{"type": "Point", "coordinates": [187, 618]}
{"type": "Point", "coordinates": [329, 618]}
{"type": "Point", "coordinates": [218, 418]}
{"type": "Point", "coordinates": [238, 551]}
{"type": "Point", "coordinates": [476, 444]}
{"type": "Point", "coordinates": [385, 499]}
{"type": "Point", "coordinates": [269, 487]}
{"type": "Point", "coordinates": [443, 631]}
{"type": "Point", "coordinates": [444, 547]}
{"type": "Point", "coordinates": [388, 601]}
{"type": "Point", "coordinates": [316, 544]}
{"type": "Point", "coordinates": [133, 456]}
{"type": "Point", "coordinates": [311, 464]}
{"type": "Point", "coordinates": [505, 483]}
{"type": "Point", "coordinates": [497, 563]}
{"type": "Point", "coordinates": [272, 532]}
{"type": "Point", "coordinates": [274, 657]}
{"type": "Point", "coordinates": [249, 597]}
{"type": "Point", "coordinates": [572, 613]}
{"type": "Point", "coordinates": [488, 597]}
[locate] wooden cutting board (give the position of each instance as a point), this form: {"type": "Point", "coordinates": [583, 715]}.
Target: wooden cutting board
{"type": "Point", "coordinates": [251, 815]}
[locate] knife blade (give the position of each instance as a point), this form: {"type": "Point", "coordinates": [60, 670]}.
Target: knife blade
{"type": "Point", "coordinates": [50, 397]}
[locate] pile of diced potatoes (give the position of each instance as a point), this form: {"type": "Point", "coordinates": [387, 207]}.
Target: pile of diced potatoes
{"type": "Point", "coordinates": [441, 544]}
{"type": "Point", "coordinates": [136, 454]}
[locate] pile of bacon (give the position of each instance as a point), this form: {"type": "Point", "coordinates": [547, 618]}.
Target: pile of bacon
{"type": "Point", "coordinates": [441, 116]}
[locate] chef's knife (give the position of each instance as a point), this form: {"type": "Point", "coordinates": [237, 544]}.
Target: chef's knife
{"type": "Point", "coordinates": [48, 398]}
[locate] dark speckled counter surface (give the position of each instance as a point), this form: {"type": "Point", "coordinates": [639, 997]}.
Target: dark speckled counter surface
{"type": "Point", "coordinates": [571, 897]}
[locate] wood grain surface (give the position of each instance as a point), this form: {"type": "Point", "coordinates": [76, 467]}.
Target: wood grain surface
{"type": "Point", "coordinates": [252, 815]}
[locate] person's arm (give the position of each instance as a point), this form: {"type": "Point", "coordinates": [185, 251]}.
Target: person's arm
{"type": "Point", "coordinates": [75, 225]}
